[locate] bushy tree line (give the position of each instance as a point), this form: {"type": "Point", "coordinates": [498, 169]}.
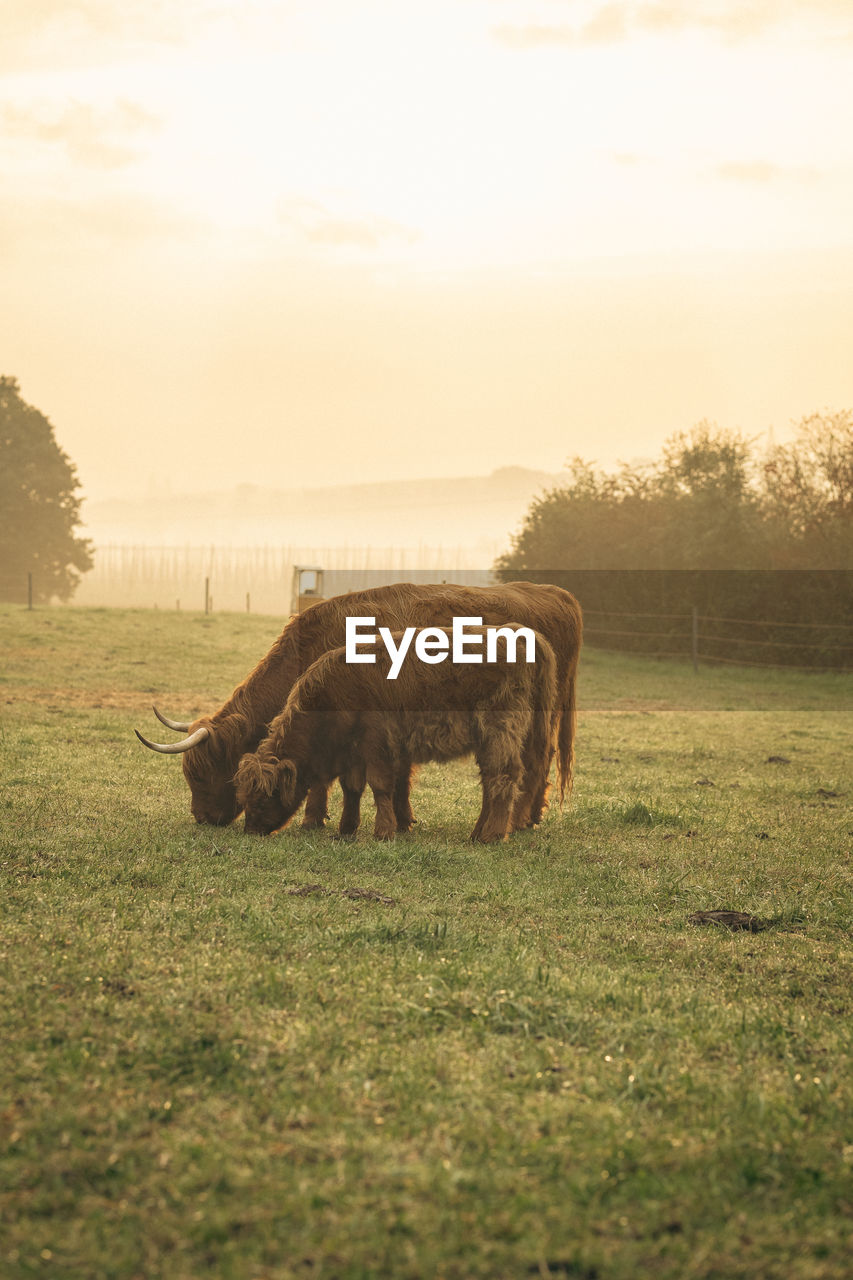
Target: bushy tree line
{"type": "Point", "coordinates": [714, 524]}
{"type": "Point", "coordinates": [39, 506]}
{"type": "Point", "coordinates": [710, 502]}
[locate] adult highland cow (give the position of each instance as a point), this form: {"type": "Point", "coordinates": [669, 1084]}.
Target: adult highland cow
{"type": "Point", "coordinates": [216, 743]}
{"type": "Point", "coordinates": [356, 724]}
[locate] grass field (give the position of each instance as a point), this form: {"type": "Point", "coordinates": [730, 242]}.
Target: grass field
{"type": "Point", "coordinates": [219, 1060]}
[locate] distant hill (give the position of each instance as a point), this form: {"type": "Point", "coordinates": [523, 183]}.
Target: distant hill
{"type": "Point", "coordinates": [476, 512]}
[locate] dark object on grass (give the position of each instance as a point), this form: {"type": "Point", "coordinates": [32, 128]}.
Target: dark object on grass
{"type": "Point", "coordinates": [778, 760]}
{"type": "Point", "coordinates": [704, 782]}
{"type": "Point", "coordinates": [370, 895]}
{"type": "Point", "coordinates": [729, 920]}
{"type": "Point", "coordinates": [118, 987]}
{"type": "Point", "coordinates": [828, 795]}
{"type": "Point", "coordinates": [365, 895]}
{"type": "Point", "coordinates": [560, 1269]}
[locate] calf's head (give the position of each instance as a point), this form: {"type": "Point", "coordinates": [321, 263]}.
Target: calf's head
{"type": "Point", "coordinates": [270, 791]}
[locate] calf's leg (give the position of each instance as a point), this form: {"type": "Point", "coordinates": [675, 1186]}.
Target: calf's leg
{"type": "Point", "coordinates": [352, 785]}
{"type": "Point", "coordinates": [316, 808]}
{"type": "Point", "coordinates": [403, 815]}
{"type": "Point", "coordinates": [381, 777]}
{"type": "Point", "coordinates": [500, 788]}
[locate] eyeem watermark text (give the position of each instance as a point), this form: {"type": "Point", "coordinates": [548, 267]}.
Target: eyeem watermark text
{"type": "Point", "coordinates": [433, 644]}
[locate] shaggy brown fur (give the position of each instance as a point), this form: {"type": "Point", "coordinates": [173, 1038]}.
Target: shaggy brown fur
{"type": "Point", "coordinates": [240, 725]}
{"type": "Point", "coordinates": [352, 722]}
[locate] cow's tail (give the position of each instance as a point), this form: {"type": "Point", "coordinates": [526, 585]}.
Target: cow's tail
{"type": "Point", "coordinates": [566, 738]}
{"type": "Point", "coordinates": [544, 703]}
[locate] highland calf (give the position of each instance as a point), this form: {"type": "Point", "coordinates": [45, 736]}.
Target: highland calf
{"type": "Point", "coordinates": [353, 723]}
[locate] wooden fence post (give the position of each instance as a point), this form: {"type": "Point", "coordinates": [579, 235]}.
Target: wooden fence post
{"type": "Point", "coordinates": [248, 603]}
{"type": "Point", "coordinates": [207, 595]}
{"type": "Point", "coordinates": [29, 591]}
{"type": "Point", "coordinates": [695, 638]}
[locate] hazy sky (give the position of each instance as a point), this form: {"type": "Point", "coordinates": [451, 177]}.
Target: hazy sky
{"type": "Point", "coordinates": [296, 243]}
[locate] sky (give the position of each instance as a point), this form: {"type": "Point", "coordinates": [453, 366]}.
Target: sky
{"type": "Point", "coordinates": [298, 244]}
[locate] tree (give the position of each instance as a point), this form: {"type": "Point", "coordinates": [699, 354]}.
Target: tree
{"type": "Point", "coordinates": [696, 508]}
{"type": "Point", "coordinates": [709, 500]}
{"type": "Point", "coordinates": [597, 521]}
{"type": "Point", "coordinates": [808, 493]}
{"type": "Point", "coordinates": [39, 506]}
{"type": "Point", "coordinates": [707, 526]}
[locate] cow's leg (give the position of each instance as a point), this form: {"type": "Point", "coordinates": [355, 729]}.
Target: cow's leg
{"type": "Point", "coordinates": [532, 798]}
{"type": "Point", "coordinates": [316, 808]}
{"type": "Point", "coordinates": [522, 811]}
{"type": "Point", "coordinates": [537, 779]}
{"type": "Point", "coordinates": [521, 819]}
{"type": "Point", "coordinates": [402, 806]}
{"type": "Point", "coordinates": [539, 803]}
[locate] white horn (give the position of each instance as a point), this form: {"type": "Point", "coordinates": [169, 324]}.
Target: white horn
{"type": "Point", "coordinates": [175, 748]}
{"type": "Point", "coordinates": [182, 726]}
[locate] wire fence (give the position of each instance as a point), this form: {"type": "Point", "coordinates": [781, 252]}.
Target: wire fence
{"type": "Point", "coordinates": [257, 578]}
{"type": "Point", "coordinates": [702, 638]}
{"type": "Point", "coordinates": [260, 579]}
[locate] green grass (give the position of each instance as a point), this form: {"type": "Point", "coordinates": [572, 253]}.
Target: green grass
{"type": "Point", "coordinates": [528, 1064]}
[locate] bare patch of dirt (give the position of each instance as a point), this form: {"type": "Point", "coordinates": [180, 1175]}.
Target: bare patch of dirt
{"type": "Point", "coordinates": [190, 704]}
{"type": "Point", "coordinates": [632, 705]}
